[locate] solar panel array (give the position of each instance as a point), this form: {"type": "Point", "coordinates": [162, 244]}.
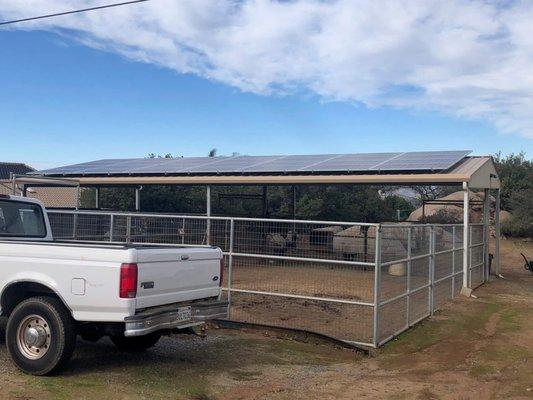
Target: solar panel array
{"type": "Point", "coordinates": [323, 163]}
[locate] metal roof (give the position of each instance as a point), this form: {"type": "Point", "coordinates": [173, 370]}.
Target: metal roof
{"type": "Point", "coordinates": [417, 162]}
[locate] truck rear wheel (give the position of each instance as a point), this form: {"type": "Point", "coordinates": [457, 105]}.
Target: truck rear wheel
{"type": "Point", "coordinates": [137, 343]}
{"type": "Point", "coordinates": [40, 336]}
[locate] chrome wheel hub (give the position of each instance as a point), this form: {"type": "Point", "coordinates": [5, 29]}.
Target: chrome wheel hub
{"type": "Point", "coordinates": [33, 337]}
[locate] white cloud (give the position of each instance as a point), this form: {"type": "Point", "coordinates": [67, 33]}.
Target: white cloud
{"type": "Point", "coordinates": [472, 59]}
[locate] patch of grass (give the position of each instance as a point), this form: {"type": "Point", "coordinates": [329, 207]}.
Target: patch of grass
{"type": "Point", "coordinates": [419, 337]}
{"type": "Point", "coordinates": [510, 320]}
{"type": "Point", "coordinates": [479, 319]}
{"type": "Point", "coordinates": [445, 331]}
{"type": "Point", "coordinates": [430, 332]}
{"type": "Point", "coordinates": [504, 353]}
{"type": "Point", "coordinates": [299, 353]}
{"type": "Point", "coordinates": [65, 387]}
{"type": "Point", "coordinates": [187, 375]}
{"type": "Point", "coordinates": [167, 381]}
{"type": "Point", "coordinates": [481, 370]}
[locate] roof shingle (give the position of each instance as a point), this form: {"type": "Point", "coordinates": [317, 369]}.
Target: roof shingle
{"type": "Point", "coordinates": [16, 168]}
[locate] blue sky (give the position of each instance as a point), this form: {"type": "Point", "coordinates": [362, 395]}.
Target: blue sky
{"type": "Point", "coordinates": [62, 102]}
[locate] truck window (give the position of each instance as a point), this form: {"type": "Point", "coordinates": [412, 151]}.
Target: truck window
{"type": "Point", "coordinates": [21, 219]}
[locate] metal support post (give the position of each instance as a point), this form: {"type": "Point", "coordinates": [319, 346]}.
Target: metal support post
{"type": "Point", "coordinates": [265, 201]}
{"type": "Point", "coordinates": [293, 208]}
{"type": "Point", "coordinates": [230, 262]}
{"type": "Point", "coordinates": [128, 229]}
{"type": "Point", "coordinates": [431, 270]}
{"type": "Point", "coordinates": [97, 198]}
{"type": "Point", "coordinates": [208, 213]}
{"type": "Point", "coordinates": [486, 211]}
{"type": "Point", "coordinates": [75, 226]}
{"type": "Point", "coordinates": [408, 283]}
{"type": "Point", "coordinates": [377, 284]}
{"type": "Point", "coordinates": [453, 261]}
{"type": "Point", "coordinates": [497, 270]}
{"type": "Point", "coordinates": [138, 198]}
{"type": "Point", "coordinates": [470, 255]}
{"type": "Point", "coordinates": [111, 226]}
{"type": "Point", "coordinates": [466, 233]}
{"type": "Point", "coordinates": [13, 183]}
{"type": "Point", "coordinates": [183, 231]}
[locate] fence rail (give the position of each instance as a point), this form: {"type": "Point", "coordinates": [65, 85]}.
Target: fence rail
{"type": "Point", "coordinates": [361, 283]}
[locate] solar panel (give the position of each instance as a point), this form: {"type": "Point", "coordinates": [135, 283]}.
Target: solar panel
{"type": "Point", "coordinates": [350, 162]}
{"type": "Point", "coordinates": [171, 165]}
{"type": "Point", "coordinates": [235, 164]}
{"type": "Point", "coordinates": [318, 163]}
{"type": "Point", "coordinates": [288, 163]}
{"type": "Point", "coordinates": [422, 160]}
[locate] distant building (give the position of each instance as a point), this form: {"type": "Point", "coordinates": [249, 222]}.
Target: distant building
{"type": "Point", "coordinates": [52, 197]}
{"type": "Point", "coordinates": [8, 168]}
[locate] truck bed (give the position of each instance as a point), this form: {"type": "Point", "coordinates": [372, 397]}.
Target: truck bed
{"type": "Point", "coordinates": [87, 274]}
{"type": "Point", "coordinates": [100, 245]}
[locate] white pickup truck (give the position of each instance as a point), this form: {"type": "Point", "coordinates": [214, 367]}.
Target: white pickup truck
{"type": "Point", "coordinates": [52, 291]}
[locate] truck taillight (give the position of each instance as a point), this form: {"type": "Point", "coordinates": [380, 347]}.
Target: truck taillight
{"type": "Point", "coordinates": [128, 281]}
{"type": "Point", "coordinates": [222, 266]}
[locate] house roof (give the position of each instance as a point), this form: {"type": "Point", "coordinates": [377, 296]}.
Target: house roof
{"type": "Point", "coordinates": [8, 168]}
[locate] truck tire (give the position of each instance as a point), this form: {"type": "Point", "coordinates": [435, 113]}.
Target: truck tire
{"type": "Point", "coordinates": [40, 336]}
{"type": "Point", "coordinates": [136, 344]}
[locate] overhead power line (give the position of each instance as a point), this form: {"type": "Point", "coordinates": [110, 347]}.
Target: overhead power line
{"type": "Point", "coordinates": [72, 12]}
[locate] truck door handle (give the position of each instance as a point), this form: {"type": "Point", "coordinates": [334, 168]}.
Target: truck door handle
{"type": "Point", "coordinates": [184, 257]}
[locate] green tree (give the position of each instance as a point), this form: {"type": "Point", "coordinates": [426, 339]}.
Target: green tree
{"type": "Point", "coordinates": [121, 199]}
{"type": "Point", "coordinates": [521, 221]}
{"type": "Point", "coordinates": [348, 203]}
{"type": "Point", "coordinates": [516, 174]}
{"type": "Point", "coordinates": [516, 178]}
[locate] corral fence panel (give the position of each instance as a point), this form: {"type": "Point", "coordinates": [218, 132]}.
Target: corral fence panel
{"type": "Point", "coordinates": [357, 282]}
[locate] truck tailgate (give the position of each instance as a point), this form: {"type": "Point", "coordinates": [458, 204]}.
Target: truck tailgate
{"type": "Point", "coordinates": [175, 275]}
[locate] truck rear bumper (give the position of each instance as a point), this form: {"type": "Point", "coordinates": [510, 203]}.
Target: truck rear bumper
{"type": "Point", "coordinates": [174, 317]}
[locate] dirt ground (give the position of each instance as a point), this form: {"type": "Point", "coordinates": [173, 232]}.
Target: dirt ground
{"type": "Point", "coordinates": [476, 348]}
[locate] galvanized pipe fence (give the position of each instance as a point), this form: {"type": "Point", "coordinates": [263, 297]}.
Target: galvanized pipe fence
{"type": "Point", "coordinates": [361, 283]}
